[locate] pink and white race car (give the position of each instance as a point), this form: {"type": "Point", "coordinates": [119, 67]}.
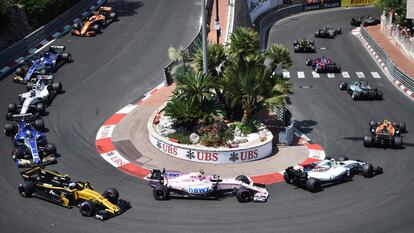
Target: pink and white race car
{"type": "Point", "coordinates": [168, 184]}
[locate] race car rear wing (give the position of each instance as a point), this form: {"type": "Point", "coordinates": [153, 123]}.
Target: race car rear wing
{"type": "Point", "coordinates": [25, 117]}
{"type": "Point", "coordinates": [37, 174]}
{"type": "Point", "coordinates": [57, 49]}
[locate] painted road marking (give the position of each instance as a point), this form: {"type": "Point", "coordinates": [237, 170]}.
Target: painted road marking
{"type": "Point", "coordinates": [360, 74]}
{"type": "Point", "coordinates": [331, 75]}
{"type": "Point", "coordinates": [315, 75]}
{"type": "Point", "coordinates": [375, 75]}
{"type": "Point", "coordinates": [345, 74]}
{"type": "Point", "coordinates": [286, 74]}
{"type": "Point", "coordinates": [301, 74]}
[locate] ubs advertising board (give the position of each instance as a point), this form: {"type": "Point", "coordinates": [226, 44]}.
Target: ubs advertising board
{"type": "Point", "coordinates": [345, 3]}
{"type": "Point", "coordinates": [321, 5]}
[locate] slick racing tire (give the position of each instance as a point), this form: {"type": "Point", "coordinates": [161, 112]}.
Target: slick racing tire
{"type": "Point", "coordinates": [19, 152]}
{"type": "Point", "coordinates": [287, 179]}
{"type": "Point", "coordinates": [244, 195]}
{"type": "Point", "coordinates": [368, 170]}
{"type": "Point", "coordinates": [295, 42]}
{"type": "Point", "coordinates": [30, 86]}
{"type": "Point", "coordinates": [97, 28]}
{"type": "Point", "coordinates": [12, 108]}
{"type": "Point", "coordinates": [379, 95]}
{"type": "Point", "coordinates": [343, 85]}
{"type": "Point", "coordinates": [41, 108]}
{"type": "Point", "coordinates": [313, 185]}
{"type": "Point", "coordinates": [402, 127]}
{"type": "Point", "coordinates": [373, 124]}
{"type": "Point", "coordinates": [356, 95]}
{"type": "Point", "coordinates": [368, 140]}
{"type": "Point", "coordinates": [43, 72]}
{"type": "Point", "coordinates": [243, 179]}
{"type": "Point", "coordinates": [112, 195]}
{"type": "Point", "coordinates": [39, 125]}
{"type": "Point", "coordinates": [26, 189]}
{"type": "Point", "coordinates": [113, 16]}
{"type": "Point", "coordinates": [87, 208]}
{"type": "Point", "coordinates": [57, 87]}
{"type": "Point", "coordinates": [20, 71]}
{"type": "Point", "coordinates": [76, 26]}
{"type": "Point", "coordinates": [161, 193]}
{"type": "Point", "coordinates": [10, 129]}
{"type": "Point", "coordinates": [67, 57]}
{"type": "Point", "coordinates": [398, 142]}
{"type": "Point", "coordinates": [50, 149]}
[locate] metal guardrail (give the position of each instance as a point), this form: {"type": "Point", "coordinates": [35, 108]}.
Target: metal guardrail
{"type": "Point", "coordinates": [20, 48]}
{"type": "Point", "coordinates": [396, 73]}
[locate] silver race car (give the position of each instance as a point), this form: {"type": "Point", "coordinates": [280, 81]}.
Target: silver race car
{"type": "Point", "coordinates": [314, 176]}
{"type": "Point", "coordinates": [198, 185]}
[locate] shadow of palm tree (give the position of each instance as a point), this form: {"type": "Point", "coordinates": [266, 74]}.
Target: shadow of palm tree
{"type": "Point", "coordinates": [125, 8]}
{"type": "Point", "coordinates": [305, 126]}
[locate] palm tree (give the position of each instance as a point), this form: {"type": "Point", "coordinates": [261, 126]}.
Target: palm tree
{"type": "Point", "coordinates": [278, 56]}
{"type": "Point", "coordinates": [244, 45]}
{"type": "Point", "coordinates": [216, 57]}
{"type": "Point", "coordinates": [198, 88]}
{"type": "Point", "coordinates": [183, 112]}
{"type": "Point", "coordinates": [246, 89]}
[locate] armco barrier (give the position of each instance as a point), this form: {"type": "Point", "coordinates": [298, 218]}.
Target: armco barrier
{"type": "Point", "coordinates": [23, 47]}
{"type": "Point", "coordinates": [267, 21]}
{"type": "Point", "coordinates": [396, 73]}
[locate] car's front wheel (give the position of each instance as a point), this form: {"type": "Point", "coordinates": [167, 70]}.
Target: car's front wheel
{"type": "Point", "coordinates": [87, 208]}
{"type": "Point", "coordinates": [313, 185]}
{"type": "Point", "coordinates": [26, 189]}
{"type": "Point", "coordinates": [160, 193]}
{"type": "Point", "coordinates": [244, 195]}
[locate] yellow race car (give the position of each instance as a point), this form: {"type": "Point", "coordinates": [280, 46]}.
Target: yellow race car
{"type": "Point", "coordinates": [59, 189]}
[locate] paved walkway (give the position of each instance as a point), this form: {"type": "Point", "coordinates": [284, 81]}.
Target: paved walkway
{"type": "Point", "coordinates": [394, 52]}
{"type": "Point", "coordinates": [223, 18]}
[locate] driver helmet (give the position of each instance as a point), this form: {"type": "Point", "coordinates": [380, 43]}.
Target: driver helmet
{"type": "Point", "coordinates": [72, 185]}
{"type": "Point", "coordinates": [46, 54]}
{"type": "Point", "coordinates": [28, 133]}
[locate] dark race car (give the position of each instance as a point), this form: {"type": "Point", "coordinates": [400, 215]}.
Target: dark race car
{"type": "Point", "coordinates": [304, 46]}
{"type": "Point", "coordinates": [328, 32]}
{"type": "Point", "coordinates": [364, 21]}
{"type": "Point", "coordinates": [29, 140]}
{"type": "Point", "coordinates": [43, 63]}
{"type": "Point", "coordinates": [361, 90]}
{"type": "Point", "coordinates": [323, 65]}
{"type": "Point", "coordinates": [61, 190]}
{"type": "Point", "coordinates": [385, 133]}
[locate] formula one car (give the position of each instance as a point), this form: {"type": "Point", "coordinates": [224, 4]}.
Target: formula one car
{"type": "Point", "coordinates": [39, 95]}
{"type": "Point", "coordinates": [59, 189]}
{"type": "Point", "coordinates": [304, 46]}
{"type": "Point", "coordinates": [93, 24]}
{"type": "Point", "coordinates": [29, 140]}
{"type": "Point", "coordinates": [316, 175]}
{"type": "Point", "coordinates": [43, 63]}
{"type": "Point", "coordinates": [364, 21]}
{"type": "Point", "coordinates": [361, 90]}
{"type": "Point", "coordinates": [328, 32]}
{"type": "Point", "coordinates": [198, 185]}
{"type": "Point", "coordinates": [323, 65]}
{"type": "Point", "coordinates": [385, 133]}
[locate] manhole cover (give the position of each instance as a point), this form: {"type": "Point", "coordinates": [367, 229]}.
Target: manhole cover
{"type": "Point", "coordinates": [305, 86]}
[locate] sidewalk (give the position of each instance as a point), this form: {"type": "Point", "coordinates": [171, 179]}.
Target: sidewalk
{"type": "Point", "coordinates": [394, 52]}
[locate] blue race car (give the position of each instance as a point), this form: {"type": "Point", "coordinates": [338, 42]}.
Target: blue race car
{"type": "Point", "coordinates": [29, 140]}
{"type": "Point", "coordinates": [361, 90]}
{"type": "Point", "coordinates": [43, 63]}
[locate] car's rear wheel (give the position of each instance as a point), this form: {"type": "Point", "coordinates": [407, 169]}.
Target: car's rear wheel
{"type": "Point", "coordinates": [379, 95]}
{"type": "Point", "coordinates": [368, 140]}
{"type": "Point", "coordinates": [398, 142]}
{"type": "Point", "coordinates": [113, 16]}
{"type": "Point", "coordinates": [20, 71]}
{"type": "Point", "coordinates": [87, 208]}
{"type": "Point", "coordinates": [12, 108]}
{"type": "Point", "coordinates": [402, 127]}
{"type": "Point", "coordinates": [26, 189]}
{"type": "Point", "coordinates": [10, 129]}
{"type": "Point", "coordinates": [160, 193]}
{"type": "Point", "coordinates": [367, 170]}
{"type": "Point", "coordinates": [244, 195]}
{"type": "Point", "coordinates": [287, 178]}
{"type": "Point", "coordinates": [313, 185]}
{"type": "Point", "coordinates": [29, 86]}
{"type": "Point", "coordinates": [243, 179]}
{"type": "Point", "coordinates": [343, 158]}
{"type": "Point", "coordinates": [343, 85]}
{"type": "Point", "coordinates": [97, 28]}
{"type": "Point", "coordinates": [39, 125]}
{"type": "Point", "coordinates": [57, 87]}
{"type": "Point", "coordinates": [19, 152]}
{"type": "Point", "coordinates": [41, 108]}
{"type": "Point", "coordinates": [112, 195]}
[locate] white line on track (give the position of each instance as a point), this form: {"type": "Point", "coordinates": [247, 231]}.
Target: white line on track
{"type": "Point", "coordinates": [375, 75]}
{"type": "Point", "coordinates": [360, 74]}
{"type": "Point", "coordinates": [315, 75]}
{"type": "Point", "coordinates": [345, 74]}
{"type": "Point", "coordinates": [331, 75]}
{"type": "Point", "coordinates": [301, 74]}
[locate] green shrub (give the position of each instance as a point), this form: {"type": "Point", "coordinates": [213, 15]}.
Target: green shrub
{"type": "Point", "coordinates": [247, 127]}
{"type": "Point", "coordinates": [42, 11]}
{"type": "Point", "coordinates": [182, 138]}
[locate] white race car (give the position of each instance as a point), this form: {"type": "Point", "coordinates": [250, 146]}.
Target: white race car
{"type": "Point", "coordinates": [327, 172]}
{"type": "Point", "coordinates": [198, 185]}
{"type": "Point", "coordinates": [37, 98]}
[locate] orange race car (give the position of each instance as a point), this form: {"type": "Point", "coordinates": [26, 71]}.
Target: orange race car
{"type": "Point", "coordinates": [93, 24]}
{"type": "Point", "coordinates": [385, 133]}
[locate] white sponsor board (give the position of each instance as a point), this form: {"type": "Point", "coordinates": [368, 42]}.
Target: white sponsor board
{"type": "Point", "coordinates": [410, 10]}
{"type": "Point", "coordinates": [213, 155]}
{"type": "Point", "coordinates": [258, 7]}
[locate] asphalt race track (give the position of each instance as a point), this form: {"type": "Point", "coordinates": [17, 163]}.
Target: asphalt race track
{"type": "Point", "coordinates": [125, 61]}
